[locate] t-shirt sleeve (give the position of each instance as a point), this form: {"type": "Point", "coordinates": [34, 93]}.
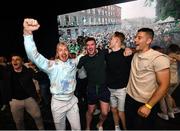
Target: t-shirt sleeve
{"type": "Point", "coordinates": [161, 62]}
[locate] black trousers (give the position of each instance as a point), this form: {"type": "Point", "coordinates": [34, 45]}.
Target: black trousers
{"type": "Point", "coordinates": [135, 121]}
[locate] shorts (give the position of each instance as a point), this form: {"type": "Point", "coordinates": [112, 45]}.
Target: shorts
{"type": "Point", "coordinates": [98, 93]}
{"type": "Point", "coordinates": [117, 98]}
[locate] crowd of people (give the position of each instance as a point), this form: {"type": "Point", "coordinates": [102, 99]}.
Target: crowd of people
{"type": "Point", "coordinates": [130, 81]}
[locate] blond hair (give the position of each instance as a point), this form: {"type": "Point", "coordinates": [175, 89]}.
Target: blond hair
{"type": "Point", "coordinates": [60, 44]}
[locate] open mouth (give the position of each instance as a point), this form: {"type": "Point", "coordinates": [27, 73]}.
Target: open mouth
{"type": "Point", "coordinates": [64, 57]}
{"type": "Point", "coordinates": [15, 64]}
{"type": "Point", "coordinates": [91, 50]}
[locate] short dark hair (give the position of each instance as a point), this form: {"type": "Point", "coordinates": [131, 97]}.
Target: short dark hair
{"type": "Point", "coordinates": [173, 48]}
{"type": "Point", "coordinates": [149, 31]}
{"type": "Point", "coordinates": [23, 57]}
{"type": "Point", "coordinates": [90, 39]}
{"type": "Point", "coordinates": [16, 54]}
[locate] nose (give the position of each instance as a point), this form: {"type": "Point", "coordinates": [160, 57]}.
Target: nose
{"type": "Point", "coordinates": [135, 39]}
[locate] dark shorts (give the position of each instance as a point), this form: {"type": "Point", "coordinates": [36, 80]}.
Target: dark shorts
{"type": "Point", "coordinates": [98, 93]}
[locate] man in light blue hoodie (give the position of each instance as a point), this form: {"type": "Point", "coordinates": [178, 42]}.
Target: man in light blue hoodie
{"type": "Point", "coordinates": [62, 75]}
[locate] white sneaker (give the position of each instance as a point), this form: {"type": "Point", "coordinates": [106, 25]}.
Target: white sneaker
{"type": "Point", "coordinates": [100, 128]}
{"type": "Point", "coordinates": [176, 110]}
{"type": "Point", "coordinates": [117, 128]}
{"type": "Point", "coordinates": [163, 116]}
{"type": "Point", "coordinates": [171, 115]}
{"type": "Point", "coordinates": [3, 107]}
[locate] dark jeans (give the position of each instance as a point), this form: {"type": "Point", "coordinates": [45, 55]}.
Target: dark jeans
{"type": "Point", "coordinates": [81, 89]}
{"type": "Point", "coordinates": [136, 122]}
{"type": "Point", "coordinates": [45, 93]}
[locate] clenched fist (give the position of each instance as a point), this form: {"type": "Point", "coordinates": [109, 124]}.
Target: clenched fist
{"type": "Point", "coordinates": [30, 25]}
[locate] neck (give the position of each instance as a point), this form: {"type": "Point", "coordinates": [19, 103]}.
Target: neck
{"type": "Point", "coordinates": [145, 50]}
{"type": "Point", "coordinates": [116, 48]}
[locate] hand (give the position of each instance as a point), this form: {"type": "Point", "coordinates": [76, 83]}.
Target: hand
{"type": "Point", "coordinates": [144, 111]}
{"type": "Point", "coordinates": [109, 50]}
{"type": "Point", "coordinates": [84, 52]}
{"type": "Point", "coordinates": [30, 25]}
{"type": "Point", "coordinates": [128, 52]}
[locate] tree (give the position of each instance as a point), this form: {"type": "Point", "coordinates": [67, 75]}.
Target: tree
{"type": "Point", "coordinates": [165, 8]}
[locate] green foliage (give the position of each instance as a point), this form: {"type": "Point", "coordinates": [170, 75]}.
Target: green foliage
{"type": "Point", "coordinates": [166, 8]}
{"type": "Point", "coordinates": [177, 1]}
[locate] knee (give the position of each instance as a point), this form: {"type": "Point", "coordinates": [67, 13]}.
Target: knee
{"type": "Point", "coordinates": [19, 121]}
{"type": "Point", "coordinates": [114, 110]}
{"type": "Point", "coordinates": [37, 115]}
{"type": "Point", "coordinates": [90, 111]}
{"type": "Point", "coordinates": [104, 113]}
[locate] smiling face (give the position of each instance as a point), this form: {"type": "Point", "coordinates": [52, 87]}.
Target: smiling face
{"type": "Point", "coordinates": [16, 62]}
{"type": "Point", "coordinates": [62, 52]}
{"type": "Point", "coordinates": [91, 47]}
{"type": "Point", "coordinates": [142, 41]}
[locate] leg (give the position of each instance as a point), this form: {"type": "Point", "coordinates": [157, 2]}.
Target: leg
{"type": "Point", "coordinates": [104, 99]}
{"type": "Point", "coordinates": [130, 112]}
{"type": "Point", "coordinates": [135, 121]}
{"type": "Point", "coordinates": [32, 108]}
{"type": "Point", "coordinates": [123, 119]}
{"type": "Point", "coordinates": [104, 107]}
{"type": "Point", "coordinates": [114, 110]}
{"type": "Point", "coordinates": [164, 109]}
{"type": "Point", "coordinates": [115, 116]}
{"type": "Point", "coordinates": [173, 102]}
{"type": "Point", "coordinates": [59, 114]}
{"type": "Point", "coordinates": [169, 106]}
{"type": "Point", "coordinates": [74, 118]}
{"type": "Point", "coordinates": [163, 105]}
{"type": "Point", "coordinates": [92, 100]}
{"type": "Point", "coordinates": [89, 116]}
{"type": "Point", "coordinates": [44, 88]}
{"type": "Point", "coordinates": [121, 95]}
{"type": "Point", "coordinates": [17, 109]}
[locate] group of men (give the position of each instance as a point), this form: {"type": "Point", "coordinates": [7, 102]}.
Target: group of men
{"type": "Point", "coordinates": [130, 84]}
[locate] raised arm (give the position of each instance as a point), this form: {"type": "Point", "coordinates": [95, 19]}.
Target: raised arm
{"type": "Point", "coordinates": [41, 62]}
{"type": "Point", "coordinates": [30, 25]}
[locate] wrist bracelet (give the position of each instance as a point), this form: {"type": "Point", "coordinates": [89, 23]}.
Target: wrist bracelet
{"type": "Point", "coordinates": [148, 106]}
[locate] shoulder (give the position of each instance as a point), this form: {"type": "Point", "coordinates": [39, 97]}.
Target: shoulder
{"type": "Point", "coordinates": [161, 61]}
{"type": "Point", "coordinates": [29, 70]}
{"type": "Point", "coordinates": [159, 56]}
{"type": "Point", "coordinates": [84, 57]}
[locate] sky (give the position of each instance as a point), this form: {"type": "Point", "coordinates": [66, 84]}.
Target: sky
{"type": "Point", "coordinates": [136, 9]}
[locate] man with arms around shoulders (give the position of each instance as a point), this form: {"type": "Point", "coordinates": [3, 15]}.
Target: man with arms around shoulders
{"type": "Point", "coordinates": [97, 91]}
{"type": "Point", "coordinates": [118, 69]}
{"type": "Point", "coordinates": [148, 82]}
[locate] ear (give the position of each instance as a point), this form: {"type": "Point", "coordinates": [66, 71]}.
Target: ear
{"type": "Point", "coordinates": [149, 41]}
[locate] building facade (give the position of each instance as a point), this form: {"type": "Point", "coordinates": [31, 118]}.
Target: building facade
{"type": "Point", "coordinates": [77, 23]}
